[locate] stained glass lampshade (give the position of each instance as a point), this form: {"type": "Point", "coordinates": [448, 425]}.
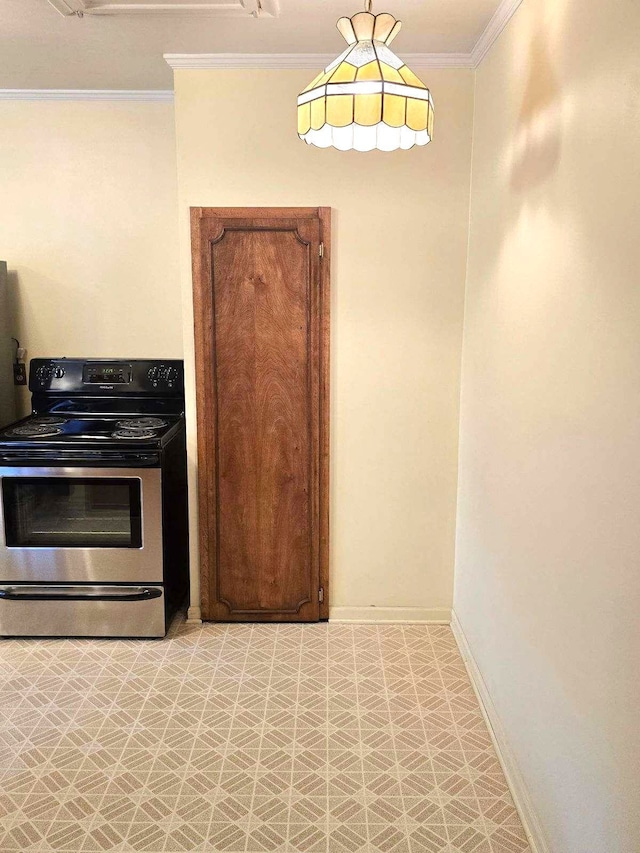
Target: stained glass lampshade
{"type": "Point", "coordinates": [367, 98]}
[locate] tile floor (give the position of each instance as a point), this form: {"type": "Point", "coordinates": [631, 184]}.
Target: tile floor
{"type": "Point", "coordinates": [314, 738]}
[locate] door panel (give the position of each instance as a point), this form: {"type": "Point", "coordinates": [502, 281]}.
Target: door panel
{"type": "Point", "coordinates": [261, 353]}
{"type": "Point", "coordinates": [260, 282]}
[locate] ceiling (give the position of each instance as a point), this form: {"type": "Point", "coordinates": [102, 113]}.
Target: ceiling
{"type": "Point", "coordinates": [40, 48]}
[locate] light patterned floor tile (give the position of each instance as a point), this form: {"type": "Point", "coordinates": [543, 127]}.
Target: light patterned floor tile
{"type": "Point", "coordinates": [249, 739]}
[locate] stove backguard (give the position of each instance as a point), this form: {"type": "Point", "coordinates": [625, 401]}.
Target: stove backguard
{"type": "Point", "coordinates": [104, 378]}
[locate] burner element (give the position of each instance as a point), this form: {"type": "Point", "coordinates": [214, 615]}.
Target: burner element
{"type": "Point", "coordinates": [143, 424]}
{"type": "Point", "coordinates": [51, 420]}
{"type": "Point", "coordinates": [134, 433]}
{"type": "Point", "coordinates": [35, 430]}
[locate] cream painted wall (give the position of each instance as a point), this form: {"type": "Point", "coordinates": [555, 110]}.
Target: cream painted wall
{"type": "Point", "coordinates": [88, 226]}
{"type": "Point", "coordinates": [400, 236]}
{"type": "Point", "coordinates": [548, 541]}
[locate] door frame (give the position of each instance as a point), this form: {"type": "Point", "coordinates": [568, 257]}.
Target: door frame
{"type": "Point", "coordinates": [206, 425]}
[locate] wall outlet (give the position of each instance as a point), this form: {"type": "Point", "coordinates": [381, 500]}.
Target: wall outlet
{"type": "Point", "coordinates": [19, 374]}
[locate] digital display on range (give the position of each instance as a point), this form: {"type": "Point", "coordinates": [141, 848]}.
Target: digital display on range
{"type": "Point", "coordinates": [106, 374]}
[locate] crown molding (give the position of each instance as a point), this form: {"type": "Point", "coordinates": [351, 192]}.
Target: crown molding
{"type": "Point", "coordinates": [501, 17]}
{"type": "Point", "coordinates": [228, 9]}
{"type": "Point", "coordinates": [86, 95]}
{"type": "Point", "coordinates": [65, 8]}
{"type": "Point", "coordinates": [312, 61]}
{"type": "Point", "coordinates": [275, 61]}
{"type": "Point", "coordinates": [300, 61]}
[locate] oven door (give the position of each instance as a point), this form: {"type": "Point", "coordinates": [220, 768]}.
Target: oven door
{"type": "Point", "coordinates": [80, 525]}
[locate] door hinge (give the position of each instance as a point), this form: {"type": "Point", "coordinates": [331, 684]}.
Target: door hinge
{"type": "Point", "coordinates": [321, 595]}
{"type": "Point", "coordinates": [321, 250]}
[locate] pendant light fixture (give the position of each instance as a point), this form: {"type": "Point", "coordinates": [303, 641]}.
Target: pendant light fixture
{"type": "Point", "coordinates": [367, 98]}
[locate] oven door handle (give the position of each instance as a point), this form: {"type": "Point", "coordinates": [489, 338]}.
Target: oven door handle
{"type": "Point", "coordinates": [78, 593]}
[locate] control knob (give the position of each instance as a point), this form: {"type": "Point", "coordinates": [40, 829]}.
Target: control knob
{"type": "Point", "coordinates": [168, 374]}
{"type": "Point", "coordinates": [46, 372]}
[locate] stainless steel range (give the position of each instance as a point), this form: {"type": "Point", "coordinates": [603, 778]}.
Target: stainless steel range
{"type": "Point", "coordinates": [93, 529]}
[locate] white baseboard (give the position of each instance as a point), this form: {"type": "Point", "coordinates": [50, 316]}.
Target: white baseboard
{"type": "Point", "coordinates": [391, 615]}
{"type": "Point", "coordinates": [517, 785]}
{"type": "Point", "coordinates": [194, 615]}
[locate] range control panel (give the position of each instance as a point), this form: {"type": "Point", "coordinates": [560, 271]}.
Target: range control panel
{"type": "Point", "coordinates": [106, 377]}
{"type": "Point", "coordinates": [107, 374]}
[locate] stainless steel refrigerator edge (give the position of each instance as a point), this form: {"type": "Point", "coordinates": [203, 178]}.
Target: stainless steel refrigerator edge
{"type": "Point", "coordinates": [7, 392]}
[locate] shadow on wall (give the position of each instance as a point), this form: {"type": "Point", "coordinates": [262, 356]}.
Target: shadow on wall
{"type": "Point", "coordinates": [536, 150]}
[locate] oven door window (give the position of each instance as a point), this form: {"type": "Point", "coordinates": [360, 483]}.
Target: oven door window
{"type": "Point", "coordinates": [72, 512]}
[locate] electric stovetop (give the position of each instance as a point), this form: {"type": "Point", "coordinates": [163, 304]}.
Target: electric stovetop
{"type": "Point", "coordinates": [56, 430]}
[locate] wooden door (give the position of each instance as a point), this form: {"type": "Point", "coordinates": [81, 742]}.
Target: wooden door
{"type": "Point", "coordinates": [261, 302]}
